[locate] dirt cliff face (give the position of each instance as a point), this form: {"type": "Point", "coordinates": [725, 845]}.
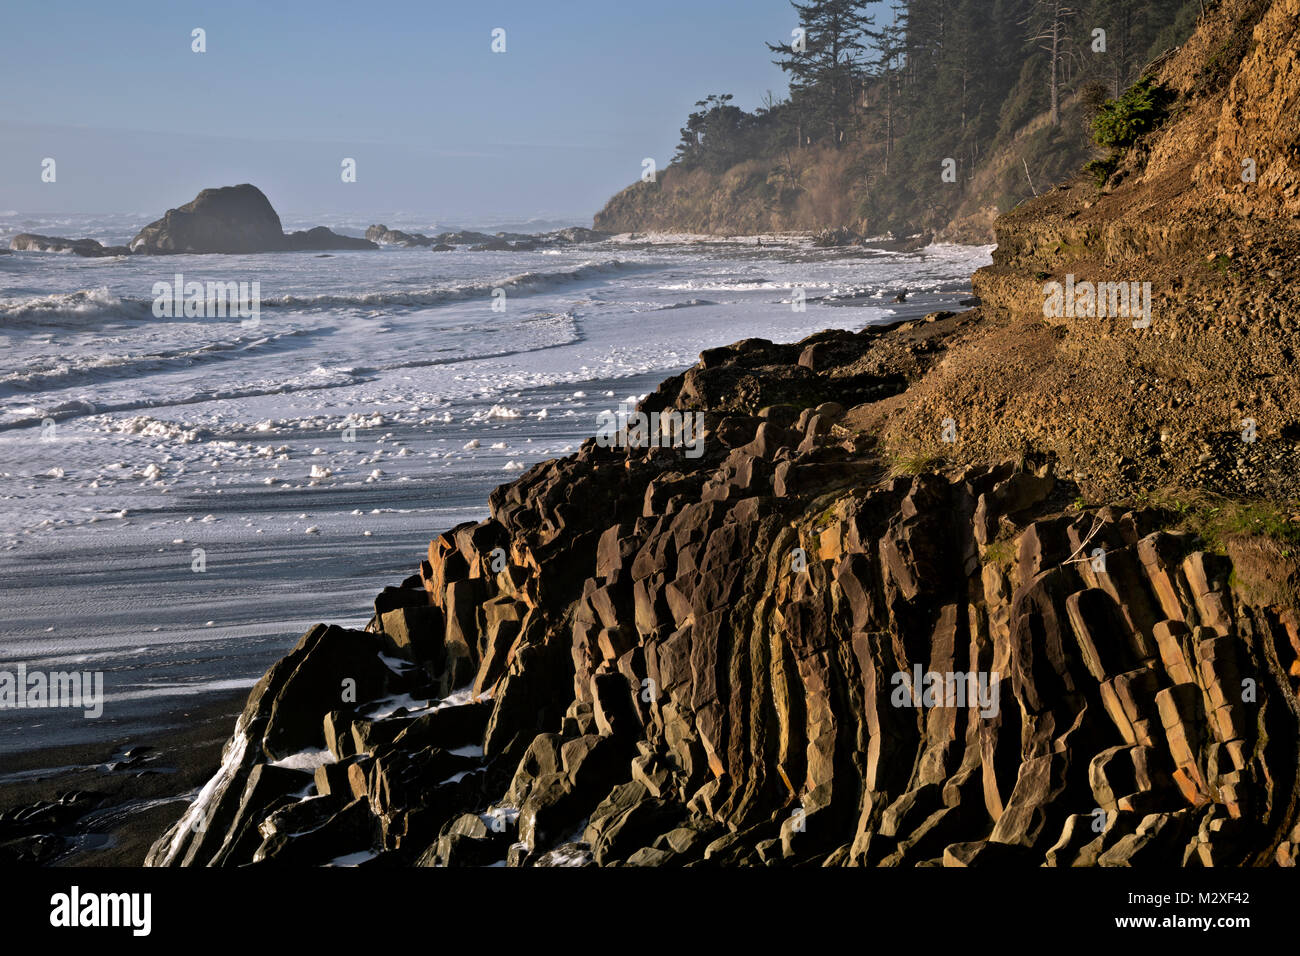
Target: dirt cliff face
{"type": "Point", "coordinates": [1257, 119]}
{"type": "Point", "coordinates": [1204, 397]}
{"type": "Point", "coordinates": [751, 197]}
{"type": "Point", "coordinates": [816, 189]}
{"type": "Point", "coordinates": [949, 593]}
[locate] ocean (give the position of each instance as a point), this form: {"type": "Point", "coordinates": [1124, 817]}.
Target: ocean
{"type": "Point", "coordinates": [182, 496]}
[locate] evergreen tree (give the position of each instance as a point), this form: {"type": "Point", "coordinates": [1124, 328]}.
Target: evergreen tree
{"type": "Point", "coordinates": [1131, 26]}
{"type": "Point", "coordinates": [714, 135]}
{"type": "Point", "coordinates": [938, 79]}
{"type": "Point", "coordinates": [891, 59]}
{"type": "Point", "coordinates": [825, 63]}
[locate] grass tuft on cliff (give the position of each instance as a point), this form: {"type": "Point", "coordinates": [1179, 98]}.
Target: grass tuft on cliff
{"type": "Point", "coordinates": [1216, 519]}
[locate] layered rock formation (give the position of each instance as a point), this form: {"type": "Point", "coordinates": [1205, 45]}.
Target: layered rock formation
{"type": "Point", "coordinates": [917, 603]}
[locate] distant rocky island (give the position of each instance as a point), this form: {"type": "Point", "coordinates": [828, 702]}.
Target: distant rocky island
{"type": "Point", "coordinates": [238, 220]}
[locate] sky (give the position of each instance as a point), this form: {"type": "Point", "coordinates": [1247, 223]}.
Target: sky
{"type": "Point", "coordinates": [439, 125]}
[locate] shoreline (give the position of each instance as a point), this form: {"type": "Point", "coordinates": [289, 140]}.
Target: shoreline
{"type": "Point", "coordinates": [98, 804]}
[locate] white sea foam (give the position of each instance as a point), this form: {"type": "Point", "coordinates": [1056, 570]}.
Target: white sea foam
{"type": "Point", "coordinates": [72, 309]}
{"type": "Point", "coordinates": [306, 760]}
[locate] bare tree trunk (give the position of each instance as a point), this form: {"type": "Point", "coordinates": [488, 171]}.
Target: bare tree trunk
{"type": "Point", "coordinates": [889, 120]}
{"type": "Point", "coordinates": [963, 96]}
{"type": "Point", "coordinates": [1056, 60]}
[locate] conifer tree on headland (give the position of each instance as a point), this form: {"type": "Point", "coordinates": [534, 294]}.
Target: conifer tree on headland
{"type": "Point", "coordinates": [891, 58]}
{"type": "Point", "coordinates": [825, 64]}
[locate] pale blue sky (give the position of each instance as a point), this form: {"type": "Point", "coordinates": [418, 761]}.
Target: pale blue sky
{"type": "Point", "coordinates": [439, 124]}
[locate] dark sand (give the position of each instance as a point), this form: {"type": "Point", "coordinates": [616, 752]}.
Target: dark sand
{"type": "Point", "coordinates": [130, 801]}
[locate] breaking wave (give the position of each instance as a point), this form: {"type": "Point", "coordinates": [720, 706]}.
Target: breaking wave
{"type": "Point", "coordinates": [88, 305]}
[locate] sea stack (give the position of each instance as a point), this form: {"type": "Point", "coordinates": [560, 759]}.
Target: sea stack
{"type": "Point", "coordinates": [233, 220]}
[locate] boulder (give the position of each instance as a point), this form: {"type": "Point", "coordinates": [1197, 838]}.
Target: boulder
{"type": "Point", "coordinates": [231, 219]}
{"type": "Point", "coordinates": [384, 236]}
{"type": "Point", "coordinates": [319, 238]}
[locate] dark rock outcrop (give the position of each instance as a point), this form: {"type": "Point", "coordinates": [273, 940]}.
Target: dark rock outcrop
{"type": "Point", "coordinates": [232, 220]}
{"type": "Point", "coordinates": [319, 238]}
{"type": "Point", "coordinates": [90, 248]}
{"type": "Point", "coordinates": [384, 236]}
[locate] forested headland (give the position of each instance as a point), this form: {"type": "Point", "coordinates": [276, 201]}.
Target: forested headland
{"type": "Point", "coordinates": [906, 117]}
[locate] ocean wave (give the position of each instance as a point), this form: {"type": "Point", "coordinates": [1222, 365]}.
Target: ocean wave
{"type": "Point", "coordinates": [87, 305]}
{"type": "Point", "coordinates": [320, 377]}
{"type": "Point", "coordinates": [42, 374]}
{"type": "Point", "coordinates": [688, 304]}
{"type": "Point", "coordinates": [61, 411]}
{"type": "Point", "coordinates": [738, 285]}
{"type": "Point", "coordinates": [524, 282]}
{"type": "Point", "coordinates": [79, 306]}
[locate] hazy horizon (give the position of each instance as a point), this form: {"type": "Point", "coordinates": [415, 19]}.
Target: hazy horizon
{"type": "Point", "coordinates": [438, 123]}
